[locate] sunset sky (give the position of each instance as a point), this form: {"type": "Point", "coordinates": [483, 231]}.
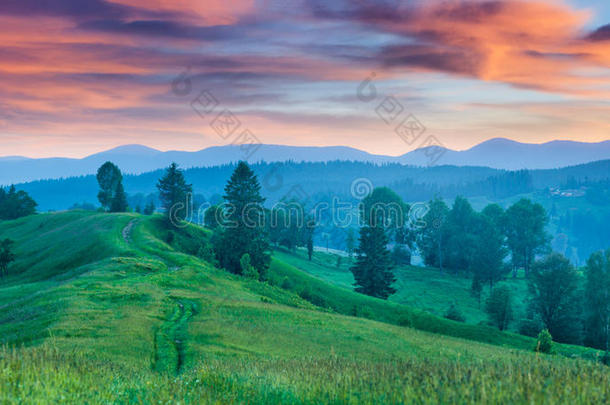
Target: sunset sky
{"type": "Point", "coordinates": [81, 76]}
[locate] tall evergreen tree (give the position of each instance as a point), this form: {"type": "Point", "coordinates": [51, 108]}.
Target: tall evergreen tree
{"type": "Point", "coordinates": [373, 268]}
{"type": "Point", "coordinates": [597, 300]}
{"type": "Point", "coordinates": [174, 194]}
{"type": "Point", "coordinates": [243, 231]}
{"type": "Point", "coordinates": [382, 214]}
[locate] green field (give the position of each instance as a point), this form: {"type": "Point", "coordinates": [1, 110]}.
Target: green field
{"type": "Point", "coordinates": [418, 287]}
{"type": "Point", "coordinates": [100, 308]}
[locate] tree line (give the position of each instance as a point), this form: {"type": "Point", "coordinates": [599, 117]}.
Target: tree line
{"type": "Point", "coordinates": [488, 246]}
{"type": "Point", "coordinates": [14, 204]}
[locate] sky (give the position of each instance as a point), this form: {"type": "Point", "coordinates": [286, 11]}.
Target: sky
{"type": "Point", "coordinates": [387, 76]}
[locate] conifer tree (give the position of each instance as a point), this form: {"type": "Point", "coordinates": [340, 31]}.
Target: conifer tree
{"type": "Point", "coordinates": [243, 229]}
{"type": "Point", "coordinates": [373, 268]}
{"type": "Point", "coordinates": [174, 194]}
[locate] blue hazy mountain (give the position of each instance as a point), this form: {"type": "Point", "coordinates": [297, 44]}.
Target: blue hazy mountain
{"type": "Point", "coordinates": [134, 159]}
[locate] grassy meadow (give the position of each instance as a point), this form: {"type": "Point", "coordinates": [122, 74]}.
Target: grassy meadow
{"type": "Point", "coordinates": [417, 287]}
{"type": "Point", "coordinates": [116, 308]}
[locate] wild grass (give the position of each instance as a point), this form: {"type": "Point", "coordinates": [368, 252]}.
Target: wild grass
{"type": "Point", "coordinates": [48, 375]}
{"type": "Point", "coordinates": [145, 321]}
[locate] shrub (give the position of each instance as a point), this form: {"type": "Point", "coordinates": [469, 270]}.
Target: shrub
{"type": "Point", "coordinates": [315, 299]}
{"type": "Point", "coordinates": [169, 239]}
{"type": "Point", "coordinates": [405, 320]}
{"type": "Point", "coordinates": [287, 284]}
{"type": "Point", "coordinates": [454, 314]}
{"type": "Point", "coordinates": [206, 253]}
{"type": "Point", "coordinates": [247, 270]}
{"type": "Point", "coordinates": [606, 358]}
{"type": "Point", "coordinates": [499, 307]}
{"type": "Point", "coordinates": [545, 342]}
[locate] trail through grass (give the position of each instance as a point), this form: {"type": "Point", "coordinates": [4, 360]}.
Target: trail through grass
{"type": "Point", "coordinates": [98, 320]}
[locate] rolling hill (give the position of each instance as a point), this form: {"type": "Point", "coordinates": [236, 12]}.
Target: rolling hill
{"type": "Point", "coordinates": [117, 308]}
{"type": "Point", "coordinates": [496, 153]}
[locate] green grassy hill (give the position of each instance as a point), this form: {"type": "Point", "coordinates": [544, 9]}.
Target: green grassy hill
{"type": "Point", "coordinates": [418, 287]}
{"type": "Point", "coordinates": [103, 308]}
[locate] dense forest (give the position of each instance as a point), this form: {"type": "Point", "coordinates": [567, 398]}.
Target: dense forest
{"type": "Point", "coordinates": [576, 197]}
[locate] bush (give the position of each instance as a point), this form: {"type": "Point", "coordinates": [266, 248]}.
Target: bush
{"type": "Point", "coordinates": [315, 299]}
{"type": "Point", "coordinates": [545, 342]}
{"type": "Point", "coordinates": [206, 253]}
{"type": "Point", "coordinates": [606, 358]}
{"type": "Point", "coordinates": [454, 314]}
{"type": "Point", "coordinates": [247, 270]}
{"type": "Point", "coordinates": [405, 320]}
{"type": "Point", "coordinates": [169, 238]}
{"type": "Point", "coordinates": [287, 284]}
{"type": "Point", "coordinates": [499, 307]}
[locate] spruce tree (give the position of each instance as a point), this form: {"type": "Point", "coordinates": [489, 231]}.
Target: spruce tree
{"type": "Point", "coordinates": [174, 193]}
{"type": "Point", "coordinates": [243, 229]}
{"type": "Point", "coordinates": [373, 268]}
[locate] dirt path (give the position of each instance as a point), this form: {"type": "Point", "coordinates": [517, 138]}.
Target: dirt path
{"type": "Point", "coordinates": [171, 339]}
{"type": "Point", "coordinates": [127, 231]}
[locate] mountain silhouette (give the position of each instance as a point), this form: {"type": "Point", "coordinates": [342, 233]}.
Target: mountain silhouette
{"type": "Point", "coordinates": [496, 153]}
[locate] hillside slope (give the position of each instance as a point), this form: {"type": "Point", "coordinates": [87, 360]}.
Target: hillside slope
{"type": "Point", "coordinates": [110, 311]}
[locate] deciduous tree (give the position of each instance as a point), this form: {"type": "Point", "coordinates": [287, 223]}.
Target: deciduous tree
{"type": "Point", "coordinates": [554, 297]}
{"type": "Point", "coordinates": [597, 300]}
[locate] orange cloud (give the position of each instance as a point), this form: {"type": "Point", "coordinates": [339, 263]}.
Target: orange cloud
{"type": "Point", "coordinates": [532, 44]}
{"type": "Point", "coordinates": [208, 12]}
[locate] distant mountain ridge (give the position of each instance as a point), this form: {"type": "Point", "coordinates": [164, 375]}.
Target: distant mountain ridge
{"type": "Point", "coordinates": [498, 153]}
